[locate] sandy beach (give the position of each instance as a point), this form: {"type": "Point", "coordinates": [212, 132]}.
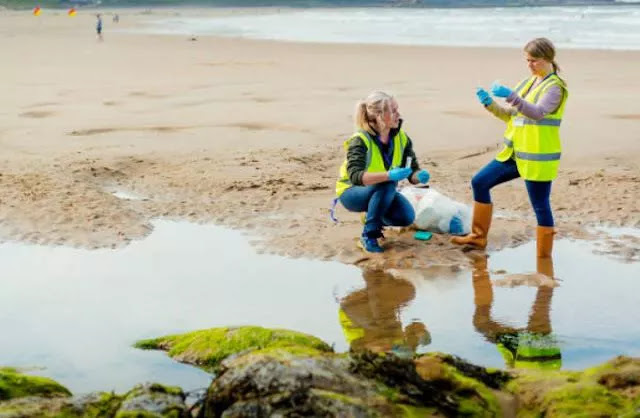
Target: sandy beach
{"type": "Point", "coordinates": [249, 134]}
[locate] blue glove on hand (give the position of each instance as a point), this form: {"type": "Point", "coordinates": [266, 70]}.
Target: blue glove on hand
{"type": "Point", "coordinates": [483, 96]}
{"type": "Point", "coordinates": [397, 174]}
{"type": "Point", "coordinates": [499, 90]}
{"type": "Point", "coordinates": [423, 176]}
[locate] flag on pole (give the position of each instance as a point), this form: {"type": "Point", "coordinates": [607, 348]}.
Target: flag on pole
{"type": "Point", "coordinates": [71, 12]}
{"type": "Point", "coordinates": [37, 11]}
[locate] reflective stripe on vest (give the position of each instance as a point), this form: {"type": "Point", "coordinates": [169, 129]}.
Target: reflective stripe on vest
{"type": "Point", "coordinates": [529, 156]}
{"type": "Point", "coordinates": [541, 122]}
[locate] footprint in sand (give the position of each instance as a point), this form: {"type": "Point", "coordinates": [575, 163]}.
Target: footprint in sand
{"type": "Point", "coordinates": [42, 104]}
{"type": "Point", "coordinates": [147, 94]}
{"type": "Point", "coordinates": [462, 114]}
{"type": "Point", "coordinates": [36, 114]}
{"type": "Point", "coordinates": [98, 131]}
{"type": "Point", "coordinates": [628, 116]}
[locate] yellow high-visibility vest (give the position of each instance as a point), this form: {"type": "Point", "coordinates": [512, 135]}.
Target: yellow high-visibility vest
{"type": "Point", "coordinates": [535, 144]}
{"type": "Point", "coordinates": [375, 162]}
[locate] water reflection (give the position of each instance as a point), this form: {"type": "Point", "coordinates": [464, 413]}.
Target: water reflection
{"type": "Point", "coordinates": [532, 346]}
{"type": "Point", "coordinates": [370, 317]}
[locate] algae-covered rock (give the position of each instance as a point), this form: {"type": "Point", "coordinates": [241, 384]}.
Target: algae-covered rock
{"type": "Point", "coordinates": [14, 384]}
{"type": "Point", "coordinates": [34, 406]}
{"type": "Point", "coordinates": [25, 396]}
{"type": "Point", "coordinates": [153, 400]}
{"type": "Point", "coordinates": [611, 389]}
{"type": "Point", "coordinates": [276, 382]}
{"type": "Point", "coordinates": [207, 348]}
{"type": "Point", "coordinates": [93, 405]}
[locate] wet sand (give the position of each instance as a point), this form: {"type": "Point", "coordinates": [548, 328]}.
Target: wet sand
{"type": "Point", "coordinates": [248, 134]}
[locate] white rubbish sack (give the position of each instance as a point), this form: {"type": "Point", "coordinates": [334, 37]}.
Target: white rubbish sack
{"type": "Point", "coordinates": [436, 212]}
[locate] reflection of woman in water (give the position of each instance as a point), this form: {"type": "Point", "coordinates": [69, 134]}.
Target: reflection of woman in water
{"type": "Point", "coordinates": [370, 317]}
{"type": "Point", "coordinates": [530, 347]}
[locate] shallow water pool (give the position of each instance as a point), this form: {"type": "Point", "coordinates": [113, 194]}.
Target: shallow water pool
{"type": "Point", "coordinates": [75, 313]}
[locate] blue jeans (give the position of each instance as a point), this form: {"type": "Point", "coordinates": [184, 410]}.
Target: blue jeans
{"type": "Point", "coordinates": [383, 204]}
{"type": "Point", "coordinates": [497, 172]}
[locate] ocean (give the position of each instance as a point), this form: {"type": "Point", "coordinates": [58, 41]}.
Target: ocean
{"type": "Point", "coordinates": [592, 27]}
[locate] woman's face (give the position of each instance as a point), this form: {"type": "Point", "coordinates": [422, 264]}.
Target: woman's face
{"type": "Point", "coordinates": [537, 66]}
{"type": "Point", "coordinates": [391, 118]}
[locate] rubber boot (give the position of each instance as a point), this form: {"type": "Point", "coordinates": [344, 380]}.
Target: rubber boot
{"type": "Point", "coordinates": [544, 265]}
{"type": "Point", "coordinates": [544, 241]}
{"type": "Point", "coordinates": [479, 227]}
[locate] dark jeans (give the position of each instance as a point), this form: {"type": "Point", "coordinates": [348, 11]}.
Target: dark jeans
{"type": "Point", "coordinates": [497, 172]}
{"type": "Point", "coordinates": [384, 206]}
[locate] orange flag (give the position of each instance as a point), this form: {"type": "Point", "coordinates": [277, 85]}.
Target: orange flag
{"type": "Point", "coordinates": [71, 12]}
{"type": "Point", "coordinates": [36, 11]}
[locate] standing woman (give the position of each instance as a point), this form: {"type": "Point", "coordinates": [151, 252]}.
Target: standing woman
{"type": "Point", "coordinates": [377, 156]}
{"type": "Point", "coordinates": [531, 144]}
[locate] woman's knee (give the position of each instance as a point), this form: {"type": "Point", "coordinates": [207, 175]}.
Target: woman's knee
{"type": "Point", "coordinates": [403, 213]}
{"type": "Point", "coordinates": [478, 182]}
{"type": "Point", "coordinates": [386, 187]}
{"type": "Point", "coordinates": [408, 216]}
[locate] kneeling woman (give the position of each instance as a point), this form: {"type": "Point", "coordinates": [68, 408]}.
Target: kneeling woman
{"type": "Point", "coordinates": [377, 156]}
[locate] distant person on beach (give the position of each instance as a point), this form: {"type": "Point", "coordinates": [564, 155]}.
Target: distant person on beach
{"type": "Point", "coordinates": [116, 18]}
{"type": "Point", "coordinates": [379, 155]}
{"type": "Point", "coordinates": [99, 26]}
{"type": "Point", "coordinates": [531, 144]}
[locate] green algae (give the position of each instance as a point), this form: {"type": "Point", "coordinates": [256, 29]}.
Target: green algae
{"type": "Point", "coordinates": [154, 388]}
{"type": "Point", "coordinates": [14, 384]}
{"type": "Point", "coordinates": [207, 348]}
{"type": "Point", "coordinates": [583, 400]}
{"type": "Point", "coordinates": [410, 411]}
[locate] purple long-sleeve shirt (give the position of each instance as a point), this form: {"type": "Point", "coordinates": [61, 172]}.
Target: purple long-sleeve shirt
{"type": "Point", "coordinates": [548, 103]}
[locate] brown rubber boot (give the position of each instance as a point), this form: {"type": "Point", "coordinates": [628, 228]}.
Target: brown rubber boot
{"type": "Point", "coordinates": [544, 265]}
{"type": "Point", "coordinates": [479, 227]}
{"type": "Point", "coordinates": [544, 241]}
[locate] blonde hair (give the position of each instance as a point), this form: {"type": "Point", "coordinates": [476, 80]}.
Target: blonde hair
{"type": "Point", "coordinates": [542, 48]}
{"type": "Point", "coordinates": [369, 112]}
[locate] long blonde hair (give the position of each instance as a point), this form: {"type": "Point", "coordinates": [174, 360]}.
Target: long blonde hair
{"type": "Point", "coordinates": [542, 48]}
{"type": "Point", "coordinates": [369, 112]}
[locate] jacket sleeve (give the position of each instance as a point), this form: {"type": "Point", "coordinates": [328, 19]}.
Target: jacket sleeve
{"type": "Point", "coordinates": [356, 160]}
{"type": "Point", "coordinates": [409, 152]}
{"type": "Point", "coordinates": [548, 103]}
{"type": "Point", "coordinates": [500, 112]}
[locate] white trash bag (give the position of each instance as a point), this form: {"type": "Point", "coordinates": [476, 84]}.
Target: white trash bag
{"type": "Point", "coordinates": [436, 212]}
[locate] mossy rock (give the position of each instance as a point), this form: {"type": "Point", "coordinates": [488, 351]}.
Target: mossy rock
{"type": "Point", "coordinates": [583, 400]}
{"type": "Point", "coordinates": [14, 384]}
{"type": "Point", "coordinates": [207, 348]}
{"type": "Point", "coordinates": [463, 381]}
{"type": "Point", "coordinates": [620, 373]}
{"type": "Point", "coordinates": [153, 400]}
{"type": "Point", "coordinates": [93, 405]}
{"type": "Point", "coordinates": [610, 389]}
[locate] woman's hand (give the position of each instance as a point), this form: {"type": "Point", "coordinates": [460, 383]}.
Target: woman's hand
{"type": "Point", "coordinates": [499, 90]}
{"type": "Point", "coordinates": [483, 96]}
{"type": "Point", "coordinates": [423, 176]}
{"type": "Point", "coordinates": [397, 174]}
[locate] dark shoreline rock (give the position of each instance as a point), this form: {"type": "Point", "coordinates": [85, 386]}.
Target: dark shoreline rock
{"type": "Point", "coordinates": [263, 373]}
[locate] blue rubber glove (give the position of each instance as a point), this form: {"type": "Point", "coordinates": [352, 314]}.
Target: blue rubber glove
{"type": "Point", "coordinates": [423, 176]}
{"type": "Point", "coordinates": [499, 90]}
{"type": "Point", "coordinates": [397, 174]}
{"type": "Point", "coordinates": [483, 96]}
